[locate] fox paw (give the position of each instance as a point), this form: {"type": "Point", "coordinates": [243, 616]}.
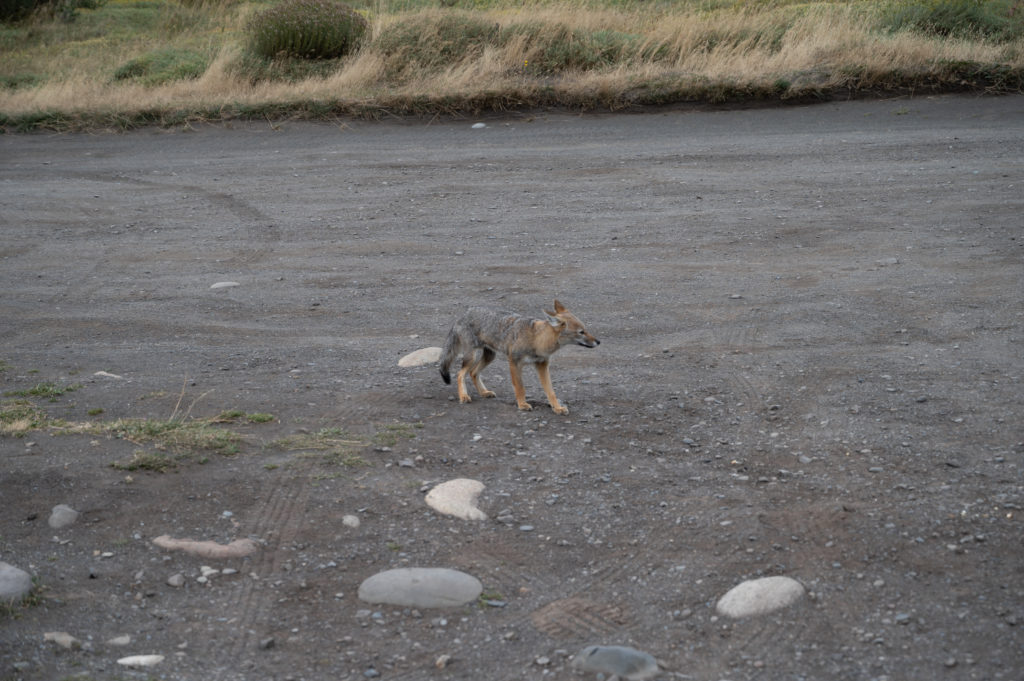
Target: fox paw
{"type": "Point", "coordinates": [560, 409]}
{"type": "Point", "coordinates": [525, 406]}
{"type": "Point", "coordinates": [465, 399]}
{"type": "Point", "coordinates": [488, 393]}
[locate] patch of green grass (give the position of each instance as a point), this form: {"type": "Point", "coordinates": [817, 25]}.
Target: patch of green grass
{"type": "Point", "coordinates": [178, 435]}
{"type": "Point", "coordinates": [393, 433]}
{"type": "Point", "coordinates": [332, 445]}
{"type": "Point", "coordinates": [96, 411]}
{"type": "Point", "coordinates": [48, 390]}
{"type": "Point", "coordinates": [1001, 20]}
{"type": "Point", "coordinates": [19, 417]}
{"type": "Point", "coordinates": [233, 415]}
{"type": "Point", "coordinates": [164, 65]}
{"type": "Point", "coordinates": [146, 461]}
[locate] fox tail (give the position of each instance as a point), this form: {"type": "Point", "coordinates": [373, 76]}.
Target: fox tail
{"type": "Point", "coordinates": [448, 356]}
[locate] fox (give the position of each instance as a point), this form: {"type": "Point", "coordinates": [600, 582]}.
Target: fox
{"type": "Point", "coordinates": [482, 333]}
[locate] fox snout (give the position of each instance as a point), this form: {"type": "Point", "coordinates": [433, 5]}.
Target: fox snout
{"type": "Point", "coordinates": [588, 341]}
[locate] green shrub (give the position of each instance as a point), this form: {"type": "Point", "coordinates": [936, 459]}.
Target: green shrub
{"type": "Point", "coordinates": [307, 29]}
{"type": "Point", "coordinates": [163, 66]}
{"type": "Point", "coordinates": [992, 19]}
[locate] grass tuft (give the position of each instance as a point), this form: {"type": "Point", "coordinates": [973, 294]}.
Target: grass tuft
{"type": "Point", "coordinates": [20, 417]}
{"type": "Point", "coordinates": [47, 389]}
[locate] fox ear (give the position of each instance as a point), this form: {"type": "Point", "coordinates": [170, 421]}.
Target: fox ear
{"type": "Point", "coordinates": [554, 321]}
{"type": "Point", "coordinates": [559, 308]}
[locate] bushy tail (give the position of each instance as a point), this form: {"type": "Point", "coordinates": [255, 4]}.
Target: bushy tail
{"type": "Point", "coordinates": [448, 356]}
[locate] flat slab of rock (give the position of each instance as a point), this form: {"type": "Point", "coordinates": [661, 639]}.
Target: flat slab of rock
{"type": "Point", "coordinates": [421, 357]}
{"type": "Point", "coordinates": [62, 515]}
{"type": "Point", "coordinates": [457, 498]}
{"type": "Point", "coordinates": [421, 588]}
{"type": "Point", "coordinates": [141, 660]}
{"type": "Point", "coordinates": [240, 548]}
{"type": "Point", "coordinates": [622, 661]}
{"type": "Point", "coordinates": [15, 583]}
{"type": "Point", "coordinates": [760, 596]}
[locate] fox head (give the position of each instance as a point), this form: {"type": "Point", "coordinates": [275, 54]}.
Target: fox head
{"type": "Point", "coordinates": [570, 329]}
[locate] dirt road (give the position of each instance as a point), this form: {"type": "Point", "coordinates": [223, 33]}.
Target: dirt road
{"type": "Point", "coordinates": [811, 324]}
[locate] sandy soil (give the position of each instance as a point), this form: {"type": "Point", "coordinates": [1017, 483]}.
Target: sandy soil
{"type": "Point", "coordinates": [811, 324]}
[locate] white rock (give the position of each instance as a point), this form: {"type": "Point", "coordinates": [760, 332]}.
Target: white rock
{"type": "Point", "coordinates": [15, 583]}
{"type": "Point", "coordinates": [62, 515]}
{"type": "Point", "coordinates": [141, 660]}
{"type": "Point", "coordinates": [457, 498]}
{"type": "Point", "coordinates": [63, 639]}
{"type": "Point", "coordinates": [421, 588]}
{"type": "Point", "coordinates": [420, 357]}
{"type": "Point", "coordinates": [622, 661]}
{"type": "Point", "coordinates": [120, 640]}
{"type": "Point", "coordinates": [239, 548]}
{"type": "Point", "coordinates": [176, 580]}
{"type": "Point", "coordinates": [106, 374]}
{"type": "Point", "coordinates": [760, 596]}
{"type": "Point", "coordinates": [350, 521]}
{"type": "Point", "coordinates": [224, 284]}
{"type": "Point", "coordinates": [479, 126]}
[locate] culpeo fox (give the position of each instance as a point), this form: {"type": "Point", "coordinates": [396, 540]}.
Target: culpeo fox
{"type": "Point", "coordinates": [480, 334]}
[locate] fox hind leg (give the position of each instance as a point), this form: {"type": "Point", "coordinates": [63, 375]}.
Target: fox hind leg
{"type": "Point", "coordinates": [469, 360]}
{"type": "Point", "coordinates": [483, 359]}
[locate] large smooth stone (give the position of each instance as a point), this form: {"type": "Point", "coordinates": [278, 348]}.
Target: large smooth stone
{"type": "Point", "coordinates": [760, 596]}
{"type": "Point", "coordinates": [457, 498]}
{"type": "Point", "coordinates": [15, 583]}
{"type": "Point", "coordinates": [421, 357]}
{"type": "Point", "coordinates": [622, 661]}
{"type": "Point", "coordinates": [421, 588]}
{"type": "Point", "coordinates": [61, 516]}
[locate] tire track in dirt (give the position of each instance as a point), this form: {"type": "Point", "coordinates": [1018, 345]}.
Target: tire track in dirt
{"type": "Point", "coordinates": [276, 521]}
{"type": "Point", "coordinates": [261, 228]}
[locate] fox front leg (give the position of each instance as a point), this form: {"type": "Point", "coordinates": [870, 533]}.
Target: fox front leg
{"type": "Point", "coordinates": [516, 372]}
{"type": "Point", "coordinates": [544, 372]}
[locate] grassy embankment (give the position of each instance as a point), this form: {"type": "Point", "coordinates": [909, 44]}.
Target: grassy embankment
{"type": "Point", "coordinates": [134, 62]}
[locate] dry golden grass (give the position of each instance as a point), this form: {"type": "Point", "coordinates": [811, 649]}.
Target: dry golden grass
{"type": "Point", "coordinates": [674, 52]}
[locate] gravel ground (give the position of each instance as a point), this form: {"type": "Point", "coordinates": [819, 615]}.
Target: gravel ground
{"type": "Point", "coordinates": [811, 325]}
